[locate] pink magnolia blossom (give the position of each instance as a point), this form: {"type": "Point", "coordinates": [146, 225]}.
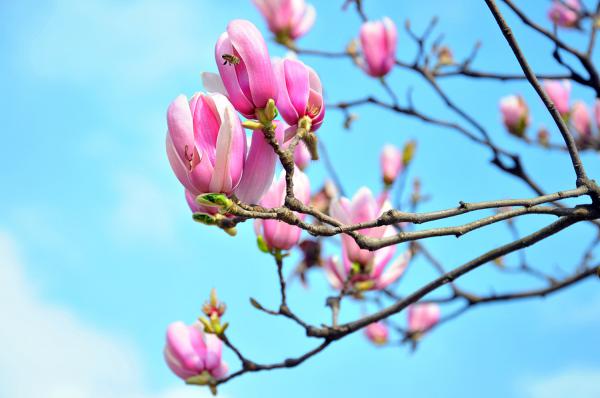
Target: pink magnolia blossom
{"type": "Point", "coordinates": [515, 114]}
{"type": "Point", "coordinates": [580, 117]}
{"type": "Point", "coordinates": [391, 163]}
{"type": "Point", "coordinates": [559, 92]}
{"type": "Point", "coordinates": [563, 15]}
{"type": "Point", "coordinates": [300, 93]}
{"type": "Point", "coordinates": [277, 234]}
{"type": "Point", "coordinates": [422, 317]}
{"type": "Point", "coordinates": [377, 333]}
{"type": "Point", "coordinates": [249, 79]}
{"type": "Point", "coordinates": [363, 207]}
{"type": "Point", "coordinates": [301, 155]}
{"type": "Point", "coordinates": [375, 274]}
{"type": "Point", "coordinates": [378, 42]}
{"type": "Point", "coordinates": [190, 352]}
{"type": "Point", "coordinates": [287, 19]}
{"type": "Point", "coordinates": [206, 146]}
{"type": "Point", "coordinates": [378, 274]}
{"type": "Point", "coordinates": [597, 113]}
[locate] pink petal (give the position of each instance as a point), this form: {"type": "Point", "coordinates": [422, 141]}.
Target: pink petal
{"type": "Point", "coordinates": [229, 77]}
{"type": "Point", "coordinates": [252, 49]}
{"type": "Point", "coordinates": [259, 169]}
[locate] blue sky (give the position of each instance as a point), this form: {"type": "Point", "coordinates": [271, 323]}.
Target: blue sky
{"type": "Point", "coordinates": [98, 252]}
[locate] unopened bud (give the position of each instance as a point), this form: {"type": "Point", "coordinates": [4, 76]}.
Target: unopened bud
{"type": "Point", "coordinates": [408, 152]}
{"type": "Point", "coordinates": [204, 218]}
{"type": "Point", "coordinates": [214, 200]}
{"type": "Point", "coordinates": [252, 125]}
{"type": "Point", "coordinates": [271, 110]}
{"type": "Point", "coordinates": [262, 244]}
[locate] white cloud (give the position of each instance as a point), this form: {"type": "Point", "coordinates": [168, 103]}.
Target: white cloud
{"type": "Point", "coordinates": [575, 382]}
{"type": "Point", "coordinates": [48, 352]}
{"type": "Point", "coordinates": [144, 212]}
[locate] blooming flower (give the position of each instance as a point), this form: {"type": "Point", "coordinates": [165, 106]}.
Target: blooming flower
{"type": "Point", "coordinates": [597, 113]}
{"type": "Point", "coordinates": [277, 234]}
{"type": "Point", "coordinates": [300, 93]}
{"type": "Point", "coordinates": [378, 42]}
{"type": "Point", "coordinates": [515, 114]}
{"type": "Point", "coordinates": [363, 207]}
{"type": "Point", "coordinates": [391, 163]}
{"type": "Point", "coordinates": [565, 15]}
{"type": "Point", "coordinates": [581, 120]}
{"type": "Point", "coordinates": [207, 150]}
{"type": "Point", "coordinates": [377, 333]}
{"type": "Point", "coordinates": [422, 317]}
{"type": "Point", "coordinates": [377, 274]}
{"type": "Point", "coordinates": [287, 19]}
{"type": "Point", "coordinates": [190, 352]}
{"type": "Point", "coordinates": [559, 92]}
{"type": "Point", "coordinates": [245, 67]}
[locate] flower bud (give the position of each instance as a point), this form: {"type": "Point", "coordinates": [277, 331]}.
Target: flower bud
{"type": "Point", "coordinates": [580, 117]}
{"type": "Point", "coordinates": [377, 333]}
{"type": "Point", "coordinates": [559, 92]}
{"type": "Point", "coordinates": [278, 235]}
{"type": "Point", "coordinates": [515, 114]}
{"type": "Point", "coordinates": [190, 353]}
{"type": "Point", "coordinates": [408, 152]}
{"type": "Point", "coordinates": [300, 99]}
{"type": "Point", "coordinates": [391, 163]}
{"type": "Point", "coordinates": [422, 317]}
{"type": "Point", "coordinates": [565, 15]}
{"type": "Point", "coordinates": [287, 19]}
{"type": "Point", "coordinates": [378, 43]}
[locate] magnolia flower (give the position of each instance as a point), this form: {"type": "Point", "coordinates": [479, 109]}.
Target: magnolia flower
{"type": "Point", "coordinates": [378, 42]}
{"type": "Point", "coordinates": [377, 333]}
{"type": "Point", "coordinates": [277, 234]}
{"type": "Point", "coordinates": [515, 114]}
{"type": "Point", "coordinates": [363, 207]}
{"type": "Point", "coordinates": [300, 93]}
{"type": "Point", "coordinates": [580, 117]}
{"type": "Point", "coordinates": [287, 19]}
{"type": "Point", "coordinates": [378, 274]}
{"type": "Point", "coordinates": [245, 68]}
{"type": "Point", "coordinates": [559, 92]}
{"type": "Point", "coordinates": [301, 155]}
{"type": "Point", "coordinates": [422, 317]}
{"type": "Point", "coordinates": [391, 163]}
{"type": "Point", "coordinates": [190, 352]}
{"type": "Point", "coordinates": [207, 150]}
{"type": "Point", "coordinates": [565, 15]}
{"type": "Point", "coordinates": [597, 113]}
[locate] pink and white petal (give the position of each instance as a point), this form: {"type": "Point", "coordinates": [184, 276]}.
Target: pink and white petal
{"type": "Point", "coordinates": [221, 371]}
{"type": "Point", "coordinates": [229, 77]}
{"type": "Point", "coordinates": [221, 179]}
{"type": "Point", "coordinates": [394, 271]}
{"type": "Point", "coordinates": [251, 46]}
{"type": "Point", "coordinates": [213, 83]}
{"type": "Point", "coordinates": [307, 21]}
{"type": "Point", "coordinates": [181, 127]}
{"type": "Point", "coordinates": [259, 170]}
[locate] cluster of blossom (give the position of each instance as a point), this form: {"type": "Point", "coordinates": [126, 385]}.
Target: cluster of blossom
{"type": "Point", "coordinates": [210, 155]}
{"type": "Point", "coordinates": [516, 119]}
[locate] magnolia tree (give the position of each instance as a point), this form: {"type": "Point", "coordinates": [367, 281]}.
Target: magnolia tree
{"type": "Point", "coordinates": [229, 179]}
